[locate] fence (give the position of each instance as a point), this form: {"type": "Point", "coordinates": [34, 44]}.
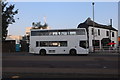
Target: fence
{"type": "Point", "coordinates": [8, 46]}
{"type": "Point", "coordinates": [105, 49]}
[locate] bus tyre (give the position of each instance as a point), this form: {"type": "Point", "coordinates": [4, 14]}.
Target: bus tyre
{"type": "Point", "coordinates": [72, 52]}
{"type": "Point", "coordinates": [42, 52]}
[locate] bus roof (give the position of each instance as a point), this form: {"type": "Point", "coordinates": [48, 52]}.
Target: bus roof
{"type": "Point", "coordinates": [55, 29]}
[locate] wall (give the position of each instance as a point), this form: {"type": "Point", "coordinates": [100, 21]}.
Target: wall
{"type": "Point", "coordinates": [102, 35]}
{"type": "Point", "coordinates": [8, 46]}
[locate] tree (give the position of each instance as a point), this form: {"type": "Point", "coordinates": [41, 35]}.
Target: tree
{"type": "Point", "coordinates": [45, 26]}
{"type": "Point", "coordinates": [38, 25]}
{"type": "Point", "coordinates": [8, 14]}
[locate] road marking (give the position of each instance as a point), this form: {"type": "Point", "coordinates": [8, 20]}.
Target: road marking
{"type": "Point", "coordinates": [15, 77]}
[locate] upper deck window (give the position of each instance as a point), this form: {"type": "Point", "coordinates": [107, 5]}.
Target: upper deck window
{"type": "Point", "coordinates": [80, 32]}
{"type": "Point", "coordinates": [58, 32]}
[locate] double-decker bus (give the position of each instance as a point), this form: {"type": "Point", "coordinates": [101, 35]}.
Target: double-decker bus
{"type": "Point", "coordinates": [58, 41]}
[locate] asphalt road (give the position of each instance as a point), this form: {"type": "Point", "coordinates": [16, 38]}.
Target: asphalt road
{"type": "Point", "coordinates": [25, 65]}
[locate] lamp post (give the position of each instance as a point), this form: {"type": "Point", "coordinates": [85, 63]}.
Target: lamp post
{"type": "Point", "coordinates": [93, 28]}
{"type": "Point", "coordinates": [110, 31]}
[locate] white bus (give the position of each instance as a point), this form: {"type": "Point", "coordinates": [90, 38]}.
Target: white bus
{"type": "Point", "coordinates": [58, 41]}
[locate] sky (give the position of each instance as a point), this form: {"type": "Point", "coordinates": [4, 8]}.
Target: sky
{"type": "Point", "coordinates": [62, 14]}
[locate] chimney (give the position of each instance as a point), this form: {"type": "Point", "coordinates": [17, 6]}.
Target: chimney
{"type": "Point", "coordinates": [110, 22]}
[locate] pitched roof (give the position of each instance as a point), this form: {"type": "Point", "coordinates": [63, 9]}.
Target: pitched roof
{"type": "Point", "coordinates": [89, 22]}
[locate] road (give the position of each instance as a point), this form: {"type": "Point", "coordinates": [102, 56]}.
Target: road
{"type": "Point", "coordinates": [25, 65]}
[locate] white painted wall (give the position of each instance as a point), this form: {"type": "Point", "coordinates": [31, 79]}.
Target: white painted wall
{"type": "Point", "coordinates": [102, 35]}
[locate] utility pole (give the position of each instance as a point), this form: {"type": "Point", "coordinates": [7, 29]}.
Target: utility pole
{"type": "Point", "coordinates": [93, 29]}
{"type": "Point", "coordinates": [110, 31]}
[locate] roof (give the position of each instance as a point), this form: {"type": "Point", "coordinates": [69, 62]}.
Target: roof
{"type": "Point", "coordinates": [54, 29]}
{"type": "Point", "coordinates": [89, 22]}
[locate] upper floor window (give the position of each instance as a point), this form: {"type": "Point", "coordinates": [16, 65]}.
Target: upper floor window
{"type": "Point", "coordinates": [98, 31]}
{"type": "Point", "coordinates": [92, 31]}
{"type": "Point", "coordinates": [107, 33]}
{"type": "Point", "coordinates": [112, 34]}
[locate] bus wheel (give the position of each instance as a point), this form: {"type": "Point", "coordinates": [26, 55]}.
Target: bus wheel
{"type": "Point", "coordinates": [72, 52]}
{"type": "Point", "coordinates": [42, 52]}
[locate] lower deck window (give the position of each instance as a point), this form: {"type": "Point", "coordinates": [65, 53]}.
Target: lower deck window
{"type": "Point", "coordinates": [51, 43]}
{"type": "Point", "coordinates": [37, 43]}
{"type": "Point", "coordinates": [83, 44]}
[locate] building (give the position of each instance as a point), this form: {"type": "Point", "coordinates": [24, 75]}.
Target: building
{"type": "Point", "coordinates": [119, 41]}
{"type": "Point", "coordinates": [27, 32]}
{"type": "Point", "coordinates": [100, 35]}
{"type": "Point", "coordinates": [17, 38]}
{"type": "Point", "coordinates": [12, 43]}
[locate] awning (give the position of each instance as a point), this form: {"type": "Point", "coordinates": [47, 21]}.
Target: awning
{"type": "Point", "coordinates": [111, 43]}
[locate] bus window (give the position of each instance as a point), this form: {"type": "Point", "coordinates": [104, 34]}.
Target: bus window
{"type": "Point", "coordinates": [83, 44]}
{"type": "Point", "coordinates": [64, 33]}
{"type": "Point", "coordinates": [35, 33]}
{"type": "Point", "coordinates": [55, 33]}
{"type": "Point", "coordinates": [63, 43]}
{"type": "Point", "coordinates": [53, 44]}
{"type": "Point", "coordinates": [44, 43]}
{"type": "Point", "coordinates": [72, 32]}
{"type": "Point", "coordinates": [37, 43]}
{"type": "Point", "coordinates": [80, 32]}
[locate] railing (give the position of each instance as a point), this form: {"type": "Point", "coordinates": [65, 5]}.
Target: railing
{"type": "Point", "coordinates": [107, 49]}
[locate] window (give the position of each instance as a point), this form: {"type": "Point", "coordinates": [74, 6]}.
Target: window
{"type": "Point", "coordinates": [83, 44]}
{"type": "Point", "coordinates": [80, 32]}
{"type": "Point", "coordinates": [58, 32]}
{"type": "Point", "coordinates": [53, 43]}
{"type": "Point", "coordinates": [35, 33]}
{"type": "Point", "coordinates": [55, 33]}
{"type": "Point", "coordinates": [96, 42]}
{"type": "Point", "coordinates": [44, 33]}
{"type": "Point", "coordinates": [112, 34]}
{"type": "Point", "coordinates": [63, 43]}
{"type": "Point", "coordinates": [44, 43]}
{"type": "Point", "coordinates": [113, 44]}
{"type": "Point", "coordinates": [72, 33]}
{"type": "Point", "coordinates": [107, 33]}
{"type": "Point", "coordinates": [64, 33]}
{"type": "Point", "coordinates": [92, 31]}
{"type": "Point", "coordinates": [37, 43]}
{"type": "Point", "coordinates": [98, 32]}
